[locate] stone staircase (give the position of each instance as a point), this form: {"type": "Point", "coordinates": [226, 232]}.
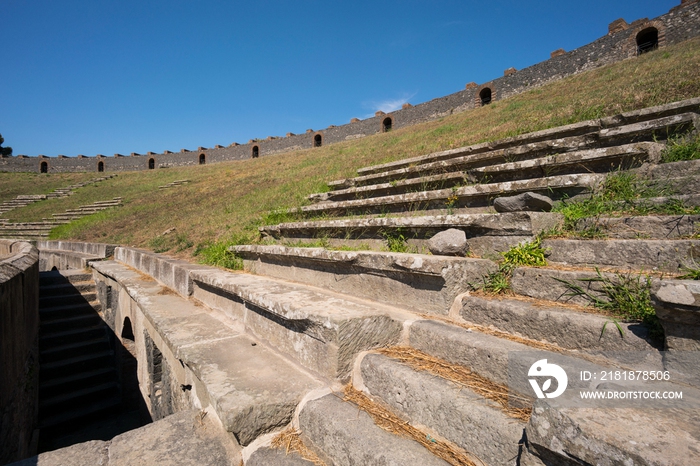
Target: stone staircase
{"type": "Point", "coordinates": [359, 355]}
{"type": "Point", "coordinates": [25, 199]}
{"type": "Point", "coordinates": [41, 230]}
{"type": "Point", "coordinates": [78, 375]}
{"type": "Point", "coordinates": [446, 321]}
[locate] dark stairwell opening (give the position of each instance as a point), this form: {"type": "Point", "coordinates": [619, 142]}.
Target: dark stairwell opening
{"type": "Point", "coordinates": [88, 387]}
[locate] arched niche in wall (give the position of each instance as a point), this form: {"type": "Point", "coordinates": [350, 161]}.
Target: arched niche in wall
{"type": "Point", "coordinates": [151, 163]}
{"type": "Point", "coordinates": [318, 140]}
{"type": "Point", "coordinates": [44, 167]}
{"type": "Point", "coordinates": [387, 124]}
{"type": "Point", "coordinates": [100, 166]}
{"type": "Point", "coordinates": [202, 159]}
{"type": "Point", "coordinates": [647, 40]}
{"type": "Point", "coordinates": [127, 330]}
{"type": "Point", "coordinates": [255, 152]}
{"type": "Point", "coordinates": [485, 96]}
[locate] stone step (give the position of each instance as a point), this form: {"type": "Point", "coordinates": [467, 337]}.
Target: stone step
{"type": "Point", "coordinates": [347, 435]}
{"type": "Point", "coordinates": [184, 438]}
{"type": "Point", "coordinates": [64, 299]}
{"type": "Point", "coordinates": [647, 226]}
{"type": "Point", "coordinates": [92, 409]}
{"type": "Point", "coordinates": [67, 288]}
{"type": "Point", "coordinates": [81, 363]}
{"type": "Point", "coordinates": [322, 330]}
{"type": "Point", "coordinates": [85, 395]}
{"type": "Point", "coordinates": [640, 254]}
{"type": "Point", "coordinates": [485, 233]}
{"type": "Point", "coordinates": [501, 167]}
{"type": "Point", "coordinates": [556, 187]}
{"type": "Point", "coordinates": [72, 335]}
{"type": "Point", "coordinates": [56, 277]}
{"type": "Point", "coordinates": [252, 389]}
{"type": "Point", "coordinates": [73, 349]}
{"type": "Point", "coordinates": [599, 160]}
{"type": "Point", "coordinates": [75, 381]}
{"type": "Point", "coordinates": [476, 424]}
{"type": "Point", "coordinates": [576, 129]}
{"type": "Point", "coordinates": [567, 327]}
{"type": "Point", "coordinates": [59, 323]}
{"type": "Point", "coordinates": [420, 283]}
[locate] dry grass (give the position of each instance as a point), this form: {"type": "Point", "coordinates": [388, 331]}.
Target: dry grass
{"type": "Point", "coordinates": [290, 441]}
{"type": "Point", "coordinates": [388, 421]}
{"type": "Point", "coordinates": [462, 376]}
{"type": "Point", "coordinates": [499, 333]}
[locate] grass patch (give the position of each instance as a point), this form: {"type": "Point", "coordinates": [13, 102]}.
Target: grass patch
{"type": "Point", "coordinates": [682, 148]}
{"type": "Point", "coordinates": [528, 254]}
{"type": "Point", "coordinates": [626, 296]}
{"type": "Point", "coordinates": [622, 193]}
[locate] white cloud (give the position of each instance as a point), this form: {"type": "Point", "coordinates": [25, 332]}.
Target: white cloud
{"type": "Point", "coordinates": [388, 105]}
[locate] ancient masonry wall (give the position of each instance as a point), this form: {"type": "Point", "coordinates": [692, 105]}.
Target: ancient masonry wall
{"type": "Point", "coordinates": [679, 24]}
{"type": "Point", "coordinates": [19, 348]}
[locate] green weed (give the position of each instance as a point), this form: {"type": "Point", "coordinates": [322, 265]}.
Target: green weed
{"type": "Point", "coordinates": [396, 241]}
{"type": "Point", "coordinates": [530, 254]}
{"type": "Point", "coordinates": [627, 296]}
{"type": "Point", "coordinates": [682, 148]}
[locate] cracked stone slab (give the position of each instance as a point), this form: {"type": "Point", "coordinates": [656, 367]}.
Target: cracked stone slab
{"type": "Point", "coordinates": [253, 390]}
{"type": "Point", "coordinates": [181, 439]}
{"type": "Point", "coordinates": [607, 437]}
{"type": "Point", "coordinates": [347, 435]}
{"type": "Point", "coordinates": [417, 282]}
{"type": "Point", "coordinates": [563, 327]}
{"type": "Point", "coordinates": [644, 227]}
{"type": "Point", "coordinates": [596, 159]}
{"type": "Point", "coordinates": [321, 329]}
{"type": "Point", "coordinates": [456, 413]}
{"type": "Point", "coordinates": [174, 273]}
{"type": "Point", "coordinates": [656, 255]}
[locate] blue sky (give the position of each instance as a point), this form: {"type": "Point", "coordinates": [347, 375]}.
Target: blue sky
{"type": "Point", "coordinates": [105, 76]}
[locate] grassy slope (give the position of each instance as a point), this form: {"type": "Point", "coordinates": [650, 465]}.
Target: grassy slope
{"type": "Point", "coordinates": [227, 200]}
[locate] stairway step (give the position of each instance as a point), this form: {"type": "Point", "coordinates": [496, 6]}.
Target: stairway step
{"type": "Point", "coordinates": [67, 288]}
{"type": "Point", "coordinates": [556, 187]}
{"type": "Point", "coordinates": [653, 255]}
{"type": "Point", "coordinates": [49, 326]}
{"type": "Point", "coordinates": [73, 349]}
{"type": "Point", "coordinates": [63, 276]}
{"type": "Point", "coordinates": [417, 282]}
{"type": "Point", "coordinates": [474, 423]}
{"type": "Point", "coordinates": [647, 226]}
{"type": "Point", "coordinates": [77, 360]}
{"type": "Point", "coordinates": [68, 310]}
{"type": "Point", "coordinates": [72, 335]}
{"type": "Point", "coordinates": [85, 395]}
{"type": "Point", "coordinates": [48, 302]}
{"type": "Point", "coordinates": [564, 327]}
{"type": "Point", "coordinates": [89, 410]}
{"type": "Point", "coordinates": [347, 435]}
{"type": "Point", "coordinates": [485, 233]}
{"type": "Point", "coordinates": [321, 328]}
{"type": "Point", "coordinates": [76, 380]}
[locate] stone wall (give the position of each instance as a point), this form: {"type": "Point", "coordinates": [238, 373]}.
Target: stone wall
{"type": "Point", "coordinates": [679, 24]}
{"type": "Point", "coordinates": [19, 362]}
